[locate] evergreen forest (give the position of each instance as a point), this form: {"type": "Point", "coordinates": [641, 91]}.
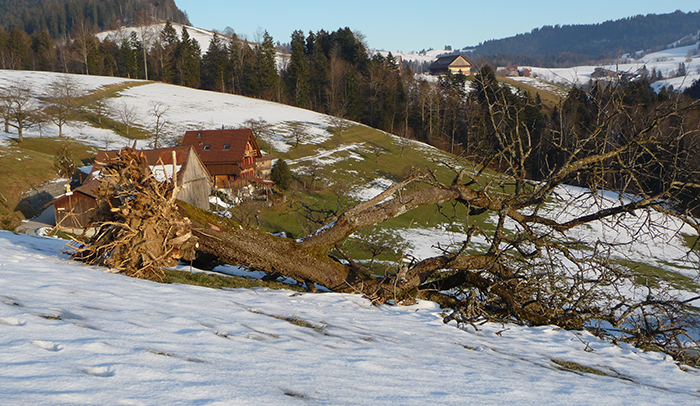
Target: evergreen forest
{"type": "Point", "coordinates": [572, 45]}
{"type": "Point", "coordinates": [60, 18]}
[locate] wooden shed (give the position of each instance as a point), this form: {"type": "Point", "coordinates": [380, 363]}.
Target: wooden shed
{"type": "Point", "coordinates": [75, 208]}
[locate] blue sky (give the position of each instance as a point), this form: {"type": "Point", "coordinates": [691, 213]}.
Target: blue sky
{"type": "Point", "coordinates": [411, 25]}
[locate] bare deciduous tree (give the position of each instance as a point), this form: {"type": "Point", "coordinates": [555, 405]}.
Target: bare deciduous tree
{"type": "Point", "coordinates": [63, 94]}
{"type": "Point", "coordinates": [99, 104]}
{"type": "Point", "coordinates": [19, 108]}
{"type": "Point", "coordinates": [297, 131]}
{"type": "Point", "coordinates": [159, 112]}
{"type": "Point", "coordinates": [128, 115]}
{"type": "Point", "coordinates": [259, 126]}
{"type": "Point", "coordinates": [147, 35]}
{"type": "Point", "coordinates": [84, 41]}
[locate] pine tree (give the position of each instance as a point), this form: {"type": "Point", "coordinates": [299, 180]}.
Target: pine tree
{"type": "Point", "coordinates": [267, 68]}
{"type": "Point", "coordinates": [169, 41]}
{"type": "Point", "coordinates": [319, 69]}
{"type": "Point", "coordinates": [215, 65]}
{"type": "Point", "coordinates": [298, 71]}
{"type": "Point", "coordinates": [127, 60]}
{"type": "Point", "coordinates": [42, 47]}
{"type": "Point", "coordinates": [18, 49]}
{"type": "Point", "coordinates": [188, 57]}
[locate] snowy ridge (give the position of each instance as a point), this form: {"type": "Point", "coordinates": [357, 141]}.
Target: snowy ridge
{"type": "Point", "coordinates": [665, 61]}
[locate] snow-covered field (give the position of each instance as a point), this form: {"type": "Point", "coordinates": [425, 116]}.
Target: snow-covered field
{"type": "Point", "coordinates": [666, 62]}
{"type": "Point", "coordinates": [73, 334]}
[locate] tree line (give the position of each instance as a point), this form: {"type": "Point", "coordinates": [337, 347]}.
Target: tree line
{"type": "Point", "coordinates": [570, 45]}
{"type": "Point", "coordinates": [60, 17]}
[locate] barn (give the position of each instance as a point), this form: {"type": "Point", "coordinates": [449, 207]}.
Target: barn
{"type": "Point", "coordinates": [451, 63]}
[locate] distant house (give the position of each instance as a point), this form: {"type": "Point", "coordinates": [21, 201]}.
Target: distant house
{"type": "Point", "coordinates": [451, 63]}
{"type": "Point", "coordinates": [510, 71]}
{"type": "Point", "coordinates": [75, 209]}
{"type": "Point", "coordinates": [231, 156]}
{"type": "Point", "coordinates": [599, 73]}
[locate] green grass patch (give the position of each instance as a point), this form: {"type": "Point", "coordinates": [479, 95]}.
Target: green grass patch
{"type": "Point", "coordinates": [691, 241]}
{"type": "Point", "coordinates": [652, 275]}
{"type": "Point", "coordinates": [300, 322]}
{"type": "Point", "coordinates": [220, 281]}
{"type": "Point", "coordinates": [28, 165]}
{"type": "Point", "coordinates": [574, 367]}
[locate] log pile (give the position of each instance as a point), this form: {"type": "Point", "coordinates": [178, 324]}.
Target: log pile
{"type": "Point", "coordinates": [139, 229]}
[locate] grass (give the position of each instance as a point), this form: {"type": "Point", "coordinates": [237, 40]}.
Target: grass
{"type": "Point", "coordinates": [28, 165]}
{"type": "Point", "coordinates": [691, 241]}
{"type": "Point", "coordinates": [574, 367]}
{"type": "Point", "coordinates": [549, 98]}
{"type": "Point", "coordinates": [219, 281]}
{"type": "Point", "coordinates": [111, 92]}
{"type": "Point", "coordinates": [652, 275]}
{"type": "Point", "coordinates": [348, 174]}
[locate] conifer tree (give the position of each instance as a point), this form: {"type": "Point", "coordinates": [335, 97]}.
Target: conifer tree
{"type": "Point", "coordinates": [169, 41]}
{"type": "Point", "coordinates": [188, 57]}
{"type": "Point", "coordinates": [215, 65]}
{"type": "Point", "coordinates": [127, 60]}
{"type": "Point", "coordinates": [298, 71]}
{"type": "Point", "coordinates": [42, 48]}
{"type": "Point", "coordinates": [266, 66]}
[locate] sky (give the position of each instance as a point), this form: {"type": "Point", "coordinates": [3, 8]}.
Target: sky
{"type": "Point", "coordinates": [411, 25]}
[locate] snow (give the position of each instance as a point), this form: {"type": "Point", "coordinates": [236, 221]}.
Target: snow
{"type": "Point", "coordinates": [425, 56]}
{"type": "Point", "coordinates": [203, 37]}
{"type": "Point", "coordinates": [73, 334]}
{"type": "Point", "coordinates": [665, 61]}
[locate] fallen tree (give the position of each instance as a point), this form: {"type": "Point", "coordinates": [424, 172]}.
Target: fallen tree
{"type": "Point", "coordinates": [528, 268]}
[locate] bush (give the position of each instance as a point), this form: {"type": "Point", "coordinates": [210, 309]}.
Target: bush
{"type": "Point", "coordinates": [281, 175]}
{"type": "Point", "coordinates": [64, 163]}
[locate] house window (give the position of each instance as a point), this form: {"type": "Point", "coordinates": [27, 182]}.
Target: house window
{"type": "Point", "coordinates": [227, 146]}
{"type": "Point", "coordinates": [199, 135]}
{"type": "Point", "coordinates": [206, 147]}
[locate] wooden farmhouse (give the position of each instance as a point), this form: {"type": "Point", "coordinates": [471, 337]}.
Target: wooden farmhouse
{"type": "Point", "coordinates": [451, 63]}
{"type": "Point", "coordinates": [74, 209]}
{"type": "Point", "coordinates": [231, 156]}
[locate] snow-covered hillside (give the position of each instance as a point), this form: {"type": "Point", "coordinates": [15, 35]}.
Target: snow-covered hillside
{"type": "Point", "coordinates": [667, 62]}
{"type": "Point", "coordinates": [73, 334]}
{"type": "Point", "coordinates": [202, 36]}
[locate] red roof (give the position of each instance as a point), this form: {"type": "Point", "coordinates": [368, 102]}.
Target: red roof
{"type": "Point", "coordinates": [221, 146]}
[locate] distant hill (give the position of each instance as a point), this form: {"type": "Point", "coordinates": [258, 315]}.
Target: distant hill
{"type": "Point", "coordinates": [59, 16]}
{"type": "Point", "coordinates": [559, 46]}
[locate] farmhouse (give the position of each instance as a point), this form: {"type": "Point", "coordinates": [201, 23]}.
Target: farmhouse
{"type": "Point", "coordinates": [74, 209]}
{"type": "Point", "coordinates": [232, 157]}
{"type": "Point", "coordinates": [451, 63]}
